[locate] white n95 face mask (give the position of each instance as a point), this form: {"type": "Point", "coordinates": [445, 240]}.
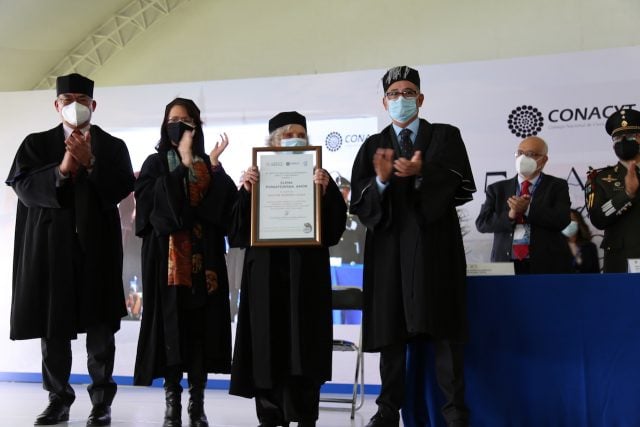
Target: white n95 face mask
{"type": "Point", "coordinates": [76, 114]}
{"type": "Point", "coordinates": [525, 166]}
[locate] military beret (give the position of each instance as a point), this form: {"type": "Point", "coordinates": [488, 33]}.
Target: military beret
{"type": "Point", "coordinates": [623, 122]}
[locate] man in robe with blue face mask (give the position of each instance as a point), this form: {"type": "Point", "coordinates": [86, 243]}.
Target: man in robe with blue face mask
{"type": "Point", "coordinates": [527, 214]}
{"type": "Point", "coordinates": [613, 199]}
{"type": "Point", "coordinates": [406, 183]}
{"type": "Point", "coordinates": [67, 274]}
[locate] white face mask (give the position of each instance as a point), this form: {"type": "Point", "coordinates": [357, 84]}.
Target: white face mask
{"type": "Point", "coordinates": [525, 166]}
{"type": "Point", "coordinates": [76, 114]}
{"type": "Point", "coordinates": [571, 229]}
{"type": "Point", "coordinates": [293, 142]}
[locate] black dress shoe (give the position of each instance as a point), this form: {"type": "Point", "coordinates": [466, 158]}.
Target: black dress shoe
{"type": "Point", "coordinates": [100, 416]}
{"type": "Point", "coordinates": [55, 413]}
{"type": "Point", "coordinates": [381, 420]}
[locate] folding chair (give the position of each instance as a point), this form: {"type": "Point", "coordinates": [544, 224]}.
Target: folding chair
{"type": "Point", "coordinates": [349, 298]}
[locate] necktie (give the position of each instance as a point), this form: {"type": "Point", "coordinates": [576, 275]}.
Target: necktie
{"type": "Point", "coordinates": [521, 250]}
{"type": "Point", "coordinates": [406, 146]}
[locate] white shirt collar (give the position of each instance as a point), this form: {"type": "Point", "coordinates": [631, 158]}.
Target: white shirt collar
{"type": "Point", "coordinates": [531, 180]}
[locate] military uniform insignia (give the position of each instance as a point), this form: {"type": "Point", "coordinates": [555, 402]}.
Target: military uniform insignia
{"type": "Point", "coordinates": [592, 176]}
{"type": "Point", "coordinates": [608, 208]}
{"type": "Point", "coordinates": [609, 179]}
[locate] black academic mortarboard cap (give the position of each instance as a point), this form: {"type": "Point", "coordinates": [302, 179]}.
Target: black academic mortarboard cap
{"type": "Point", "coordinates": [74, 83]}
{"type": "Point", "coordinates": [399, 73]}
{"type": "Point", "coordinates": [622, 122]}
{"type": "Point", "coordinates": [287, 118]}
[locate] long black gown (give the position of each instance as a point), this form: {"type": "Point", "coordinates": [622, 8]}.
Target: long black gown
{"type": "Point", "coordinates": [162, 208]}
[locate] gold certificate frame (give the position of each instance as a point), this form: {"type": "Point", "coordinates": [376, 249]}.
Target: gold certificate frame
{"type": "Point", "coordinates": [285, 203]}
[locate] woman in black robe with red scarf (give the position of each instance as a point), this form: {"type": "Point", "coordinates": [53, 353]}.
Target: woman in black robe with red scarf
{"type": "Point", "coordinates": [183, 199]}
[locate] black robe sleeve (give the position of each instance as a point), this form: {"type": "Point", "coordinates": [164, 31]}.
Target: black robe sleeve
{"type": "Point", "coordinates": [33, 174]}
{"type": "Point", "coordinates": [446, 173]}
{"type": "Point", "coordinates": [35, 177]}
{"type": "Point", "coordinates": [334, 215]}
{"type": "Point", "coordinates": [366, 199]}
{"type": "Point", "coordinates": [160, 198]}
{"type": "Point", "coordinates": [240, 225]}
{"type": "Point", "coordinates": [112, 175]}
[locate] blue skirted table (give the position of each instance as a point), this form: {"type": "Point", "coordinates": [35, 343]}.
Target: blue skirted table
{"type": "Point", "coordinates": [543, 351]}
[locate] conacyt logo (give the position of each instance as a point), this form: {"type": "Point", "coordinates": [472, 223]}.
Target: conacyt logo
{"type": "Point", "coordinates": [333, 141]}
{"type": "Point", "coordinates": [525, 121]}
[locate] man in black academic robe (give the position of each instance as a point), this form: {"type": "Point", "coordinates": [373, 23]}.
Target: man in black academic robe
{"type": "Point", "coordinates": [67, 270]}
{"type": "Point", "coordinates": [406, 185]}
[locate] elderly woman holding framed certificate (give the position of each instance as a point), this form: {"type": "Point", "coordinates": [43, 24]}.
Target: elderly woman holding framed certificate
{"type": "Point", "coordinates": [289, 211]}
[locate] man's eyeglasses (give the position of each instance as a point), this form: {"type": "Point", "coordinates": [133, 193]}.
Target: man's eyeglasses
{"type": "Point", "coordinates": [186, 120]}
{"type": "Point", "coordinates": [67, 99]}
{"type": "Point", "coordinates": [530, 154]}
{"type": "Point", "coordinates": [406, 94]}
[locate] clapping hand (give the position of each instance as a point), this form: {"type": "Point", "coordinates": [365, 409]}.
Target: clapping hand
{"type": "Point", "coordinates": [218, 149]}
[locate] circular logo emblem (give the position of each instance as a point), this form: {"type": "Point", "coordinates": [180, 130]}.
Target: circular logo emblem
{"type": "Point", "coordinates": [333, 141]}
{"type": "Point", "coordinates": [525, 121]}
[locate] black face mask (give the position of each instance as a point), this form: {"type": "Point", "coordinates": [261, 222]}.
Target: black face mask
{"type": "Point", "coordinates": [175, 131]}
{"type": "Point", "coordinates": [626, 149]}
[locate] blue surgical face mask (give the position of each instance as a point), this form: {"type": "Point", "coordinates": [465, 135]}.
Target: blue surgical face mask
{"type": "Point", "coordinates": [293, 142]}
{"type": "Point", "coordinates": [401, 109]}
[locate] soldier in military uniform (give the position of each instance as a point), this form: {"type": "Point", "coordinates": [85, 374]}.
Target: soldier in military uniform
{"type": "Point", "coordinates": [612, 195]}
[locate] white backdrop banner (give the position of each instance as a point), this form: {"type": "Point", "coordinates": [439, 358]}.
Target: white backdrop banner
{"type": "Point", "coordinates": [564, 99]}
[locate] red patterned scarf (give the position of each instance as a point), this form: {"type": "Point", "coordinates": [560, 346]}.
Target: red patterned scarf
{"type": "Point", "coordinates": [186, 250]}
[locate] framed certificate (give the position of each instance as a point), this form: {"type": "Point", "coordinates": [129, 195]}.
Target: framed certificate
{"type": "Point", "coordinates": [285, 204]}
